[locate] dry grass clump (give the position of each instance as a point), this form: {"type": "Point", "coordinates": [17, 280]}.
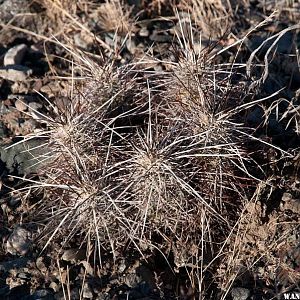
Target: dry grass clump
{"type": "Point", "coordinates": [286, 8]}
{"type": "Point", "coordinates": [114, 16]}
{"type": "Point", "coordinates": [214, 18]}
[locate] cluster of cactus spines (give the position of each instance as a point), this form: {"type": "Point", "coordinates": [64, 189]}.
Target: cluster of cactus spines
{"type": "Point", "coordinates": [130, 164]}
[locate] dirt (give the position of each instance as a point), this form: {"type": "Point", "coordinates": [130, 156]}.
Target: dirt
{"type": "Point", "coordinates": [261, 257]}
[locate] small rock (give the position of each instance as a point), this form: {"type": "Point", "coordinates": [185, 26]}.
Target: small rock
{"type": "Point", "coordinates": [24, 276]}
{"type": "Point", "coordinates": [40, 264]}
{"type": "Point", "coordinates": [144, 32]}
{"type": "Point", "coordinates": [80, 42]}
{"type": "Point", "coordinates": [20, 87]}
{"type": "Point", "coordinates": [240, 293]}
{"type": "Point", "coordinates": [122, 266]}
{"type": "Point", "coordinates": [14, 55]}
{"type": "Point", "coordinates": [54, 286]}
{"type": "Point", "coordinates": [19, 241]}
{"type": "Point", "coordinates": [15, 73]}
{"type": "Point", "coordinates": [14, 264]}
{"type": "Point", "coordinates": [28, 126]}
{"type": "Point", "coordinates": [286, 197]}
{"type": "Point", "coordinates": [21, 104]}
{"type": "Point", "coordinates": [131, 46]}
{"type": "Point", "coordinates": [74, 255]}
{"type": "Point", "coordinates": [42, 294]}
{"type": "Point", "coordinates": [87, 292]}
{"type": "Point", "coordinates": [132, 280]}
{"type": "Point", "coordinates": [161, 38]}
{"type": "Point", "coordinates": [3, 109]}
{"type": "Point", "coordinates": [35, 106]}
{"type": "Point", "coordinates": [14, 202]}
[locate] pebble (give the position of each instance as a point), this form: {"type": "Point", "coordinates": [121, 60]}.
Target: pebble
{"type": "Point", "coordinates": [21, 105]}
{"type": "Point", "coordinates": [15, 55]}
{"type": "Point", "coordinates": [80, 42]}
{"type": "Point", "coordinates": [122, 266]}
{"type": "Point", "coordinates": [14, 264]}
{"type": "Point", "coordinates": [74, 255]}
{"type": "Point", "coordinates": [87, 292]}
{"type": "Point", "coordinates": [29, 125]}
{"type": "Point", "coordinates": [240, 293]}
{"type": "Point", "coordinates": [131, 46]}
{"type": "Point", "coordinates": [14, 202]}
{"type": "Point", "coordinates": [15, 73]}
{"type": "Point", "coordinates": [24, 276]}
{"type": "Point", "coordinates": [35, 106]}
{"type": "Point", "coordinates": [54, 286]}
{"type": "Point", "coordinates": [42, 294]}
{"type": "Point", "coordinates": [161, 38]}
{"type": "Point", "coordinates": [144, 32]}
{"type": "Point", "coordinates": [19, 241]}
{"type": "Point", "coordinates": [3, 109]}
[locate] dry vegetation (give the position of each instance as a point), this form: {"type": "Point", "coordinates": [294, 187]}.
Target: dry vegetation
{"type": "Point", "coordinates": [147, 159]}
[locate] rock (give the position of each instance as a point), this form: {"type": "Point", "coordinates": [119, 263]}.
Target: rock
{"type": "Point", "coordinates": [15, 73]}
{"type": "Point", "coordinates": [132, 280]}
{"type": "Point", "coordinates": [42, 294]}
{"type": "Point", "coordinates": [14, 264]}
{"type": "Point", "coordinates": [54, 286]}
{"type": "Point", "coordinates": [240, 293]}
{"type": "Point", "coordinates": [23, 157]}
{"type": "Point", "coordinates": [131, 46]}
{"type": "Point", "coordinates": [80, 42]}
{"type": "Point", "coordinates": [161, 38]}
{"type": "Point", "coordinates": [14, 202]}
{"type": "Point", "coordinates": [122, 266]}
{"type": "Point", "coordinates": [19, 241]}
{"type": "Point", "coordinates": [21, 105]}
{"type": "Point", "coordinates": [144, 32]}
{"type": "Point", "coordinates": [20, 87]}
{"type": "Point", "coordinates": [87, 292]}
{"type": "Point", "coordinates": [35, 106]}
{"type": "Point", "coordinates": [28, 126]}
{"type": "Point", "coordinates": [3, 109]}
{"type": "Point", "coordinates": [290, 203]}
{"type": "Point", "coordinates": [74, 255]}
{"type": "Point", "coordinates": [40, 264]}
{"type": "Point", "coordinates": [14, 55]}
{"type": "Point", "coordinates": [24, 276]}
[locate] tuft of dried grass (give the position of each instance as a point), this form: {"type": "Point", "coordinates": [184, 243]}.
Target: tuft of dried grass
{"type": "Point", "coordinates": [214, 18]}
{"type": "Point", "coordinates": [115, 16]}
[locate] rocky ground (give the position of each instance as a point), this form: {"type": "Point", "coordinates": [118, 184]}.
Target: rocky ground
{"type": "Point", "coordinates": [32, 35]}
